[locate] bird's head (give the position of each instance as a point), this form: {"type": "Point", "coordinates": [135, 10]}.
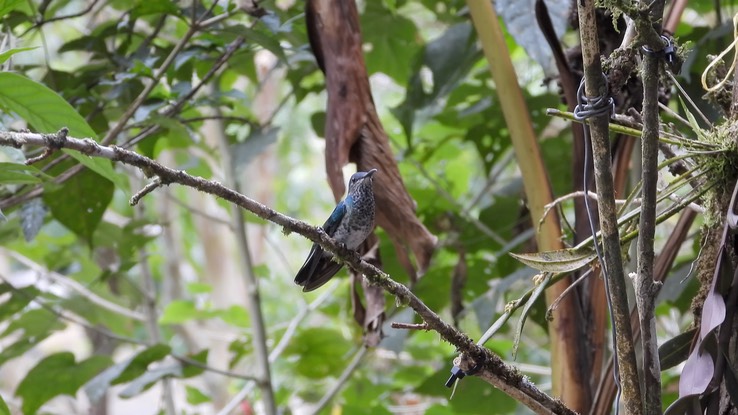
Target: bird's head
{"type": "Point", "coordinates": [361, 179]}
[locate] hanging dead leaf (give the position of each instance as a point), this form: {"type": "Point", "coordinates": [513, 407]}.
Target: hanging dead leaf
{"type": "Point", "coordinates": [559, 261]}
{"type": "Point", "coordinates": [353, 131]}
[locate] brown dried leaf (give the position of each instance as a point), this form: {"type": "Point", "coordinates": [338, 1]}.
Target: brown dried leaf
{"type": "Point", "coordinates": [371, 317]}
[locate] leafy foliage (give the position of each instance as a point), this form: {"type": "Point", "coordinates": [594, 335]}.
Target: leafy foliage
{"type": "Point", "coordinates": [151, 287]}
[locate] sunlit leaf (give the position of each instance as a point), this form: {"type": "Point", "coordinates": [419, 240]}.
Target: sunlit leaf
{"type": "Point", "coordinates": [4, 56]}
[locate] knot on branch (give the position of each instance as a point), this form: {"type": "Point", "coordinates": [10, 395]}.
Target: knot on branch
{"type": "Point", "coordinates": [53, 143]}
{"type": "Point", "coordinates": [57, 141]}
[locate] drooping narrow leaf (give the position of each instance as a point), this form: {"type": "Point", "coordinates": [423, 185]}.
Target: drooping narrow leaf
{"type": "Point", "coordinates": [563, 260]}
{"type": "Point", "coordinates": [4, 56]}
{"type": "Point", "coordinates": [676, 350]}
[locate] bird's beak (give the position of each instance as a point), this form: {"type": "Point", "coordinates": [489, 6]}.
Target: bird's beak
{"type": "Point", "coordinates": [371, 172]}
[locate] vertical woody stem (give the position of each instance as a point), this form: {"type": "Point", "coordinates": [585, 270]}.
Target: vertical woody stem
{"type": "Point", "coordinates": [595, 86]}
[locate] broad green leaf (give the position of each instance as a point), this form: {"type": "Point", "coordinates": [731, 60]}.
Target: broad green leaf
{"type": "Point", "coordinates": [41, 107]}
{"type": "Point", "coordinates": [449, 58]}
{"type": "Point", "coordinates": [563, 260]}
{"type": "Point", "coordinates": [32, 214]}
{"type": "Point", "coordinates": [80, 203]}
{"type": "Point", "coordinates": [47, 112]}
{"type": "Point", "coordinates": [472, 396]}
{"type": "Point", "coordinates": [7, 6]}
{"type": "Point", "coordinates": [14, 173]}
{"type": "Point", "coordinates": [4, 56]}
{"type": "Point", "coordinates": [19, 299]}
{"type": "Point", "coordinates": [393, 39]}
{"type": "Point", "coordinates": [320, 352]}
{"type": "Point", "coordinates": [55, 375]}
{"type": "Point", "coordinates": [676, 350]}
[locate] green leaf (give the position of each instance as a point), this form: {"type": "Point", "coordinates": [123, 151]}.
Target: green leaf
{"type": "Point", "coordinates": [235, 316]}
{"type": "Point", "coordinates": [32, 215]}
{"type": "Point", "coordinates": [37, 323]}
{"type": "Point", "coordinates": [199, 288]}
{"type": "Point", "coordinates": [4, 410]}
{"type": "Point", "coordinates": [18, 300]}
{"type": "Point", "coordinates": [189, 370]}
{"type": "Point", "coordinates": [100, 166]}
{"type": "Point", "coordinates": [194, 396]}
{"type": "Point", "coordinates": [139, 364]}
{"type": "Point", "coordinates": [40, 106]}
{"type": "Point", "coordinates": [10, 52]}
{"type": "Point", "coordinates": [321, 352]}
{"type": "Point", "coordinates": [80, 203]}
{"type": "Point", "coordinates": [48, 112]}
{"type": "Point", "coordinates": [14, 173]}
{"type": "Point", "coordinates": [124, 371]}
{"type": "Point", "coordinates": [472, 396]}
{"type": "Point", "coordinates": [676, 350]}
{"type": "Point", "coordinates": [563, 260]}
{"type": "Point", "coordinates": [393, 39]}
{"type": "Point", "coordinates": [179, 311]}
{"type": "Point", "coordinates": [7, 6]}
{"type": "Point", "coordinates": [56, 375]}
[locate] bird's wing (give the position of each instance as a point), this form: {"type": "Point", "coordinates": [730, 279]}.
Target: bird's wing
{"type": "Point", "coordinates": [319, 266]}
{"type": "Point", "coordinates": [336, 217]}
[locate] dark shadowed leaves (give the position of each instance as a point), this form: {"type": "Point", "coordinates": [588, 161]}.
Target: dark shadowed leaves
{"type": "Point", "coordinates": [32, 217]}
{"type": "Point", "coordinates": [472, 396]}
{"type": "Point", "coordinates": [676, 350]}
{"type": "Point", "coordinates": [80, 203]}
{"type": "Point", "coordinates": [393, 40]}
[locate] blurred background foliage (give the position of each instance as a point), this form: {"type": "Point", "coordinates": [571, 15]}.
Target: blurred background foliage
{"type": "Point", "coordinates": [102, 304]}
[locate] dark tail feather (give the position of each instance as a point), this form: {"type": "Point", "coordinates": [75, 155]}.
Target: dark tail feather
{"type": "Point", "coordinates": [319, 268]}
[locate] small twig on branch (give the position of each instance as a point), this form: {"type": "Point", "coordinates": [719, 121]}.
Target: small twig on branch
{"type": "Point", "coordinates": [55, 142]}
{"type": "Point", "coordinates": [491, 363]}
{"type": "Point", "coordinates": [153, 185]}
{"type": "Point", "coordinates": [43, 21]}
{"type": "Point", "coordinates": [409, 326]}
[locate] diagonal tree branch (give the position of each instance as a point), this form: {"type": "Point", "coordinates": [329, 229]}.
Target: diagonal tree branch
{"type": "Point", "coordinates": [487, 365]}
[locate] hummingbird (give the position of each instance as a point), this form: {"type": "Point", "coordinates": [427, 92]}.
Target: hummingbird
{"type": "Point", "coordinates": [350, 224]}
